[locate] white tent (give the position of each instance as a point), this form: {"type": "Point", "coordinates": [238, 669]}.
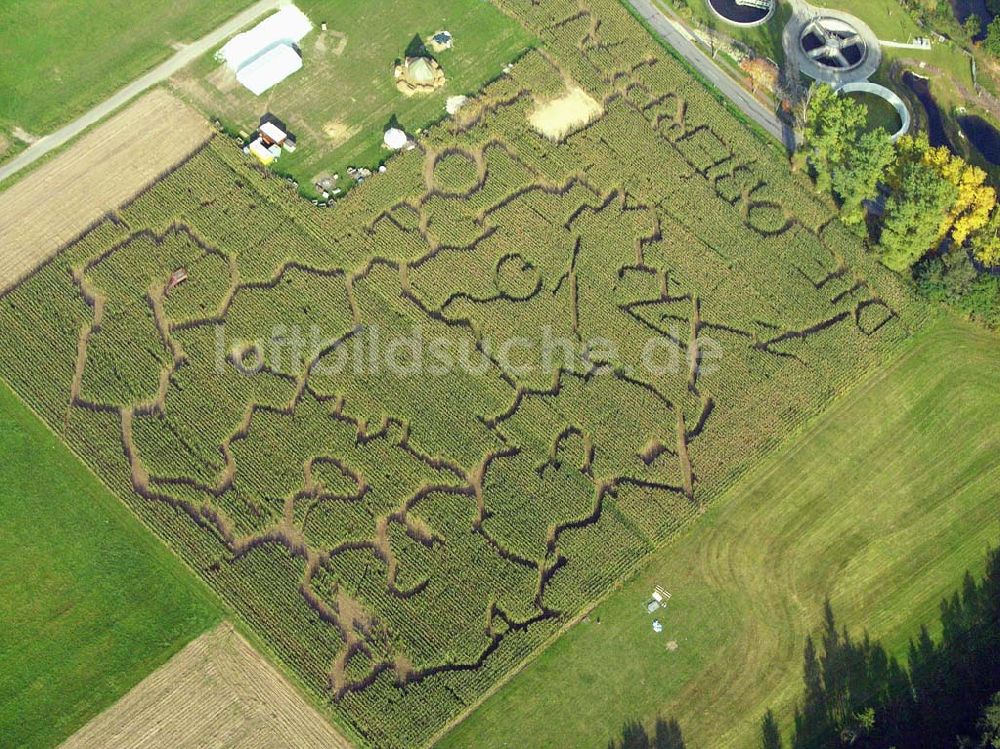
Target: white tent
{"type": "Point", "coordinates": [270, 68]}
{"type": "Point", "coordinates": [287, 26]}
{"type": "Point", "coordinates": [395, 138]}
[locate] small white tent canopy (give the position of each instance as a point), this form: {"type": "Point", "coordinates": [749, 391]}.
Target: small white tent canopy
{"type": "Point", "coordinates": [395, 138]}
{"type": "Point", "coordinates": [287, 26]}
{"type": "Point", "coordinates": [270, 68]}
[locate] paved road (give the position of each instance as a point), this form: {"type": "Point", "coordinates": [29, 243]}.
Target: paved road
{"type": "Point", "coordinates": [162, 72]}
{"type": "Point", "coordinates": [698, 58]}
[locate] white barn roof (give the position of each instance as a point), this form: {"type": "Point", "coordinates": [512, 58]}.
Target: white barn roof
{"type": "Point", "coordinates": [272, 131]}
{"type": "Point", "coordinates": [270, 68]}
{"type": "Point", "coordinates": [287, 26]}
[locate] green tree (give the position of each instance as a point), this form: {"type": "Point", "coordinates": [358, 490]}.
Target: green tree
{"type": "Point", "coordinates": [989, 724]}
{"type": "Point", "coordinates": [920, 200]}
{"type": "Point", "coordinates": [986, 243]}
{"type": "Point", "coordinates": [856, 179]}
{"type": "Point", "coordinates": [770, 734]}
{"type": "Point", "coordinates": [972, 26]}
{"type": "Point", "coordinates": [992, 41]}
{"type": "Point", "coordinates": [833, 127]}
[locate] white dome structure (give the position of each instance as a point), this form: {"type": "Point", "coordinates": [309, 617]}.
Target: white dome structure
{"type": "Point", "coordinates": [395, 138]}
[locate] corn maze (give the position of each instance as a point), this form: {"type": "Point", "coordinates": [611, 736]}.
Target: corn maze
{"type": "Point", "coordinates": [401, 542]}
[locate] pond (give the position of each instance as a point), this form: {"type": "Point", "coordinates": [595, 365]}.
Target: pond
{"type": "Point", "coordinates": [983, 136]}
{"type": "Point", "coordinates": [921, 87]}
{"type": "Point", "coordinates": [965, 8]}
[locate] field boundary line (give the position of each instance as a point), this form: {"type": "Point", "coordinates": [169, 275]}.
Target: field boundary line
{"type": "Point", "coordinates": [764, 467]}
{"type": "Point", "coordinates": [226, 610]}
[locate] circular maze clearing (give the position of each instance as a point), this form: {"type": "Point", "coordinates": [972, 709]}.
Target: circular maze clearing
{"type": "Point", "coordinates": [833, 44]}
{"type": "Point", "coordinates": [743, 12]}
{"type": "Point", "coordinates": [456, 173]}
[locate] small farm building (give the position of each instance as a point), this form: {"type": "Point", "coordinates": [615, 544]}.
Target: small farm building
{"type": "Point", "coordinates": [264, 154]}
{"type": "Point", "coordinates": [270, 68]}
{"type": "Point", "coordinates": [287, 26]}
{"type": "Point", "coordinates": [272, 135]}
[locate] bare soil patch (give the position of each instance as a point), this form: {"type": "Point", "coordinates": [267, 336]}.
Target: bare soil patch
{"type": "Point", "coordinates": [53, 204]}
{"type": "Point", "coordinates": [338, 132]}
{"type": "Point", "coordinates": [557, 118]}
{"type": "Point", "coordinates": [216, 692]}
{"type": "Point", "coordinates": [24, 136]}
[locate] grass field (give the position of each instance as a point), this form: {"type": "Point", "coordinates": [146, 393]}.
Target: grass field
{"type": "Point", "coordinates": [401, 537]}
{"type": "Point", "coordinates": [765, 39]}
{"type": "Point", "coordinates": [881, 505]}
{"type": "Point", "coordinates": [63, 56]}
{"type": "Point", "coordinates": [91, 602]}
{"type": "Point", "coordinates": [341, 102]}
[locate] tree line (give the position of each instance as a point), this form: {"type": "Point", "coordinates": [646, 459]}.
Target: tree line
{"type": "Point", "coordinates": [932, 216]}
{"type": "Point", "coordinates": [947, 696]}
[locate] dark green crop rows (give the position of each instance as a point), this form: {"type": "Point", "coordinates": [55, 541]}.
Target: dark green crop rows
{"type": "Point", "coordinates": [403, 540]}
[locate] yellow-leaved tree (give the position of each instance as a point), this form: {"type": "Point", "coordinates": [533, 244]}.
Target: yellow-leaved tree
{"type": "Point", "coordinates": [986, 243]}
{"type": "Point", "coordinates": [976, 200]}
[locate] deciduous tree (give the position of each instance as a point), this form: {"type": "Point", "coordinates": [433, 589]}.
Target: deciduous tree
{"type": "Point", "coordinates": [920, 200]}
{"type": "Point", "coordinates": [864, 166]}
{"type": "Point", "coordinates": [833, 126]}
{"type": "Point", "coordinates": [986, 243]}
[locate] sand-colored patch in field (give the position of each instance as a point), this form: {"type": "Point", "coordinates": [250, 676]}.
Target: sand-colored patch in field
{"type": "Point", "coordinates": [52, 205]}
{"type": "Point", "coordinates": [217, 692]}
{"type": "Point", "coordinates": [557, 118]}
{"type": "Point", "coordinates": [321, 47]}
{"type": "Point", "coordinates": [24, 136]}
{"type": "Point", "coordinates": [338, 132]}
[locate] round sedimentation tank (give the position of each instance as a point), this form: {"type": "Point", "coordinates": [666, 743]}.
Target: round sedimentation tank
{"type": "Point", "coordinates": [874, 89]}
{"type": "Point", "coordinates": [833, 43]}
{"type": "Point", "coordinates": [743, 12]}
{"type": "Point", "coordinates": [831, 46]}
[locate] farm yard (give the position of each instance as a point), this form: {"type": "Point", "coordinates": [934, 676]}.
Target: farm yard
{"type": "Point", "coordinates": [864, 508]}
{"type": "Point", "coordinates": [345, 96]}
{"type": "Point", "coordinates": [91, 601]}
{"type": "Point", "coordinates": [63, 56]}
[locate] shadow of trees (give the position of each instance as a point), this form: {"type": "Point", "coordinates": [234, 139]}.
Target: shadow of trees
{"type": "Point", "coordinates": [666, 735]}
{"type": "Point", "coordinates": [856, 695]}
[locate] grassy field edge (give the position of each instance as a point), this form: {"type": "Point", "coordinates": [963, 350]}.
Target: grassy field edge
{"type": "Point", "coordinates": [766, 466]}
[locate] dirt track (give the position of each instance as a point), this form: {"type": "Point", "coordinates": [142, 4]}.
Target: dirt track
{"type": "Point", "coordinates": [217, 692]}
{"type": "Point", "coordinates": [49, 207]}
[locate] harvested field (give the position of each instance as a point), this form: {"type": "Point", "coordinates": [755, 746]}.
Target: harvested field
{"type": "Point", "coordinates": [54, 204]}
{"type": "Point", "coordinates": [558, 118]}
{"type": "Point", "coordinates": [217, 692]}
